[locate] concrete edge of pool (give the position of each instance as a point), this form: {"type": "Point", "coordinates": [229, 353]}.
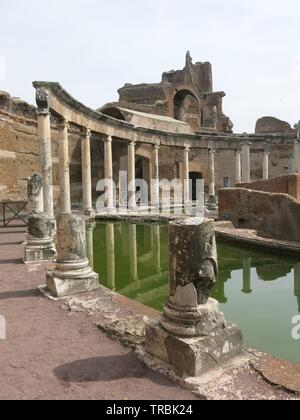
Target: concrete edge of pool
{"type": "Point", "coordinates": [253, 375]}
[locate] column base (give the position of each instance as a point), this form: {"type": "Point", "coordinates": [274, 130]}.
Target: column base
{"type": "Point", "coordinates": [71, 278]}
{"type": "Point", "coordinates": [194, 356]}
{"type": "Point", "coordinates": [38, 250]}
{"type": "Point", "coordinates": [212, 203]}
{"type": "Point", "coordinates": [90, 213]}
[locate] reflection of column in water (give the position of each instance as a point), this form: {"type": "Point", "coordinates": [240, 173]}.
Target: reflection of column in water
{"type": "Point", "coordinates": [247, 276]}
{"type": "Point", "coordinates": [220, 290]}
{"type": "Point", "coordinates": [297, 283]}
{"type": "Point", "coordinates": [110, 256]}
{"type": "Point", "coordinates": [133, 252]}
{"type": "Point", "coordinates": [156, 247]}
{"type": "Point", "coordinates": [90, 243]}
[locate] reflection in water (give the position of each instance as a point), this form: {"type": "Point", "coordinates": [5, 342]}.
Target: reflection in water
{"type": "Point", "coordinates": [256, 289]}
{"type": "Point", "coordinates": [90, 242]}
{"type": "Point", "coordinates": [110, 256]}
{"type": "Point", "coordinates": [247, 276]}
{"type": "Point", "coordinates": [297, 284]}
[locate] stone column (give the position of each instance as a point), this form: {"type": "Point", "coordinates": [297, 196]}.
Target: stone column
{"type": "Point", "coordinates": [131, 175]}
{"type": "Point", "coordinates": [155, 177]}
{"type": "Point", "coordinates": [110, 256]}
{"type": "Point", "coordinates": [247, 276]}
{"type": "Point", "coordinates": [246, 163]}
{"type": "Point", "coordinates": [133, 252]}
{"type": "Point", "coordinates": [45, 154]}
{"type": "Point", "coordinates": [64, 168]}
{"type": "Point", "coordinates": [266, 159]}
{"type": "Point", "coordinates": [86, 173]}
{"type": "Point", "coordinates": [212, 203]}
{"type": "Point", "coordinates": [297, 157]}
{"type": "Point", "coordinates": [238, 167]}
{"type": "Point", "coordinates": [72, 273]}
{"type": "Point", "coordinates": [186, 175]}
{"type": "Point", "coordinates": [108, 172]}
{"type": "Point", "coordinates": [192, 334]}
{"type": "Point", "coordinates": [39, 246]}
{"type": "Point", "coordinates": [35, 194]}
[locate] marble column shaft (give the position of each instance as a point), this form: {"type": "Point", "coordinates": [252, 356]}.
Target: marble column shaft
{"type": "Point", "coordinates": [246, 163]}
{"type": "Point", "coordinates": [45, 155]}
{"type": "Point", "coordinates": [108, 171]}
{"type": "Point", "coordinates": [86, 172]}
{"type": "Point", "coordinates": [186, 175]}
{"type": "Point", "coordinates": [238, 167]}
{"type": "Point", "coordinates": [64, 168]}
{"type": "Point", "coordinates": [131, 175]}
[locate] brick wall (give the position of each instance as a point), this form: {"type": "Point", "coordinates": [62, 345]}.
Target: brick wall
{"type": "Point", "coordinates": [272, 215]}
{"type": "Point", "coordinates": [286, 184]}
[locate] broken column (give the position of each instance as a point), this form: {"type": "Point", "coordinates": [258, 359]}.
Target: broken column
{"type": "Point", "coordinates": [192, 334]}
{"type": "Point", "coordinates": [35, 194]}
{"type": "Point", "coordinates": [72, 273]}
{"type": "Point", "coordinates": [39, 245]}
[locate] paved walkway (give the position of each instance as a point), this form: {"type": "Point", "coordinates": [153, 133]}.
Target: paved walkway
{"type": "Point", "coordinates": [49, 354]}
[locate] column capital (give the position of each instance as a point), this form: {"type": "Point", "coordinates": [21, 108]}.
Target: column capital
{"type": "Point", "coordinates": [42, 98]}
{"type": "Point", "coordinates": [132, 143]}
{"type": "Point", "coordinates": [212, 151]}
{"type": "Point", "coordinates": [108, 139]}
{"type": "Point", "coordinates": [63, 124]}
{"type": "Point", "coordinates": [156, 146]}
{"type": "Point", "coordinates": [43, 112]}
{"type": "Point", "coordinates": [187, 148]}
{"type": "Point", "coordinates": [238, 152]}
{"type": "Point", "coordinates": [86, 133]}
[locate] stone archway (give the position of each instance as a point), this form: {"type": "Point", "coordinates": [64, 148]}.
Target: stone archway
{"type": "Point", "coordinates": [187, 108]}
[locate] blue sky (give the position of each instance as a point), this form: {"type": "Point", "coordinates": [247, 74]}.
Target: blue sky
{"type": "Point", "coordinates": [92, 47]}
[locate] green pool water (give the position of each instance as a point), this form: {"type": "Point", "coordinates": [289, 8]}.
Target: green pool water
{"type": "Point", "coordinates": [259, 291]}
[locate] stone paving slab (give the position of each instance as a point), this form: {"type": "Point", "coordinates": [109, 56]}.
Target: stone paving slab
{"type": "Point", "coordinates": [278, 372]}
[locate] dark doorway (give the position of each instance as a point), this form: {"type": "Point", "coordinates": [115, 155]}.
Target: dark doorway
{"type": "Point", "coordinates": [194, 177]}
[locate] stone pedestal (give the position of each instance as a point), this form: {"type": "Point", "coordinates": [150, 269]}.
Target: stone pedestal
{"type": "Point", "coordinates": [72, 273]}
{"type": "Point", "coordinates": [39, 244]}
{"type": "Point", "coordinates": [192, 334]}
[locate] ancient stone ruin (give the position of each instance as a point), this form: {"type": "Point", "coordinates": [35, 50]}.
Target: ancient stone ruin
{"type": "Point", "coordinates": [192, 334]}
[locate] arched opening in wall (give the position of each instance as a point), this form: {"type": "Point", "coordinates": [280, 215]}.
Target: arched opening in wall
{"type": "Point", "coordinates": [142, 172]}
{"type": "Point", "coordinates": [113, 112]}
{"type": "Point", "coordinates": [187, 109]}
{"type": "Point", "coordinates": [194, 177]}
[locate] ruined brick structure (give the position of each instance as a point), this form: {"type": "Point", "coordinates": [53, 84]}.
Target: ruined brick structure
{"type": "Point", "coordinates": [186, 95]}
